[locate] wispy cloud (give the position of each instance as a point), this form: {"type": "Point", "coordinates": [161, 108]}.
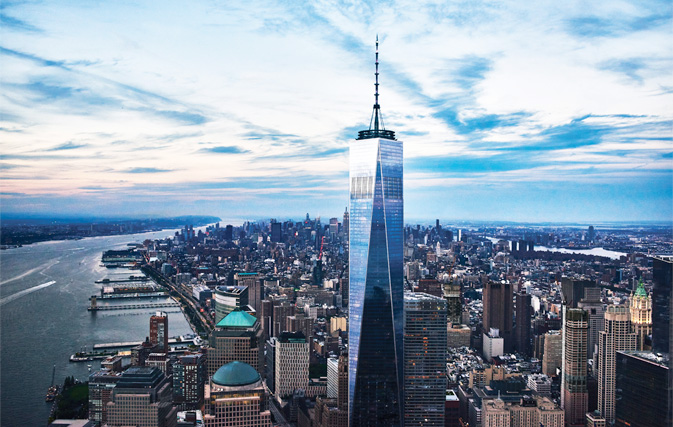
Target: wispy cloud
{"type": "Point", "coordinates": [146, 170]}
{"type": "Point", "coordinates": [67, 146]}
{"type": "Point", "coordinates": [225, 149]}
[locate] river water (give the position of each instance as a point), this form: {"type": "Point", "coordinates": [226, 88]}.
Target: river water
{"type": "Point", "coordinates": [593, 251]}
{"type": "Point", "coordinates": [44, 295]}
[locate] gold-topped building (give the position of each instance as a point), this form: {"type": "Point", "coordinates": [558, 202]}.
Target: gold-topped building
{"type": "Point", "coordinates": [640, 306]}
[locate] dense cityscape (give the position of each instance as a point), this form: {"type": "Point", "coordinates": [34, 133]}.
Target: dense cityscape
{"type": "Point", "coordinates": [483, 327]}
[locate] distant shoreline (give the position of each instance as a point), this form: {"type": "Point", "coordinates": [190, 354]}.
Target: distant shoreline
{"type": "Point", "coordinates": [15, 236]}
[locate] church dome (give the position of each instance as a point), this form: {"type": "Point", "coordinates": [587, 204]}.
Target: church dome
{"type": "Point", "coordinates": [236, 374]}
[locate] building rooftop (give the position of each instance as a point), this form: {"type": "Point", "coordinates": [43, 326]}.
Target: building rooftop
{"type": "Point", "coordinates": [237, 319]}
{"type": "Point", "coordinates": [235, 374]}
{"type": "Point", "coordinates": [140, 377]}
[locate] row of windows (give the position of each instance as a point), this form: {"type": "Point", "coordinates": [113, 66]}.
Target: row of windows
{"type": "Point", "coordinates": [362, 187]}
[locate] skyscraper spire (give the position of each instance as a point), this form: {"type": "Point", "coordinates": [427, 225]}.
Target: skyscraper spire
{"type": "Point", "coordinates": [377, 107]}
{"type": "Point", "coordinates": [376, 127]}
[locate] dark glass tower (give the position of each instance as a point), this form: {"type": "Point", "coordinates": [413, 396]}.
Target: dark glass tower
{"type": "Point", "coordinates": [375, 354]}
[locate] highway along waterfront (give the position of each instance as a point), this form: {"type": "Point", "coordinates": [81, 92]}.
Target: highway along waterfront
{"type": "Point", "coordinates": [45, 291]}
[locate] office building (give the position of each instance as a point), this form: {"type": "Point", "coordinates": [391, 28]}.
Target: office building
{"type": "Point", "coordinates": [429, 286]}
{"type": "Point", "coordinates": [592, 304]}
{"type": "Point", "coordinates": [526, 412]}
{"type": "Point", "coordinates": [375, 303]}
{"type": "Point", "coordinates": [595, 419]}
{"type": "Point", "coordinates": [492, 344]}
{"type": "Point", "coordinates": [454, 306]}
{"type": "Point", "coordinates": [253, 281]}
{"type": "Point", "coordinates": [572, 290]}
{"type": "Point", "coordinates": [228, 298]}
{"type": "Point", "coordinates": [333, 411]}
{"type": "Point", "coordinates": [574, 393]}
{"type": "Point", "coordinates": [662, 316]}
{"type": "Point", "coordinates": [540, 384]}
{"type": "Point", "coordinates": [291, 364]}
{"type": "Point", "coordinates": [235, 396]}
{"type": "Point", "coordinates": [142, 397]}
{"type": "Point", "coordinates": [498, 300]}
{"type": "Point", "coordinates": [101, 385]}
{"type": "Point", "coordinates": [662, 276]}
{"type": "Point", "coordinates": [616, 336]}
{"type": "Point", "coordinates": [452, 410]}
{"type": "Point", "coordinates": [522, 330]}
{"type": "Point", "coordinates": [424, 359]}
{"type": "Point", "coordinates": [641, 378]}
{"type": "Point", "coordinates": [237, 337]}
{"type": "Point", "coordinates": [553, 350]}
{"type": "Point", "coordinates": [591, 233]}
{"type": "Point", "coordinates": [190, 373]}
{"type": "Point", "coordinates": [457, 335]}
{"type": "Point", "coordinates": [281, 311]}
{"type": "Point", "coordinates": [159, 332]}
{"type": "Point", "coordinates": [640, 307]}
{"type": "Point", "coordinates": [276, 234]}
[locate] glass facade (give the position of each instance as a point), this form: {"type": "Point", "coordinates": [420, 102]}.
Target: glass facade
{"type": "Point", "coordinates": [376, 283]}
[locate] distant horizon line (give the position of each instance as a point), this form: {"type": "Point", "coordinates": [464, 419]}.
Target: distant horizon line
{"type": "Point", "coordinates": [257, 218]}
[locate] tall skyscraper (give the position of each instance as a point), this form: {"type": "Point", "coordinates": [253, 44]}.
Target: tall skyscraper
{"type": "Point", "coordinates": [662, 315]}
{"type": "Point", "coordinates": [424, 359]}
{"type": "Point", "coordinates": [573, 290]}
{"type": "Point", "coordinates": [574, 394]}
{"type": "Point", "coordinates": [640, 306]}
{"type": "Point", "coordinates": [454, 306]}
{"type": "Point", "coordinates": [291, 364]}
{"type": "Point", "coordinates": [616, 336]}
{"type": "Point", "coordinates": [642, 378]}
{"type": "Point", "coordinates": [522, 335]}
{"type": "Point", "coordinates": [237, 337]}
{"type": "Point", "coordinates": [498, 301]}
{"type": "Point", "coordinates": [189, 376]}
{"type": "Point", "coordinates": [375, 364]}
{"type": "Point", "coordinates": [159, 331]}
{"type": "Point", "coordinates": [662, 275]}
{"type": "Point", "coordinates": [255, 286]}
{"type": "Point", "coordinates": [592, 304]}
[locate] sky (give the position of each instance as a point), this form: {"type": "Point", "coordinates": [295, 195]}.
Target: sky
{"type": "Point", "coordinates": [513, 111]}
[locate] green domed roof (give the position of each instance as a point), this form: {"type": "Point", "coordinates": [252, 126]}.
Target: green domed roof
{"type": "Point", "coordinates": [235, 374]}
{"type": "Point", "coordinates": [640, 291]}
{"type": "Point", "coordinates": [237, 318]}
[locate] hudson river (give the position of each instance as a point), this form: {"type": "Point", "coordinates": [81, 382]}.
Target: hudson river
{"type": "Point", "coordinates": [44, 295]}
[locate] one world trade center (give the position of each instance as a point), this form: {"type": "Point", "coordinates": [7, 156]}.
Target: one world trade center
{"type": "Point", "coordinates": [375, 354]}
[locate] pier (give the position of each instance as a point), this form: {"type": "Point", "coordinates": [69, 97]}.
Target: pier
{"type": "Point", "coordinates": [129, 280]}
{"type": "Point", "coordinates": [134, 295]}
{"type": "Point", "coordinates": [95, 307]}
{"type": "Point", "coordinates": [120, 345]}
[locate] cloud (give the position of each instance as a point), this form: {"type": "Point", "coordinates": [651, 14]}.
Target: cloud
{"type": "Point", "coordinates": [16, 24]}
{"type": "Point", "coordinates": [67, 146]}
{"type": "Point", "coordinates": [180, 116]}
{"type": "Point", "coordinates": [225, 149]}
{"type": "Point", "coordinates": [146, 170]}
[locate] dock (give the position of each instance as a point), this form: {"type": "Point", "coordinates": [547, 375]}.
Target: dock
{"type": "Point", "coordinates": [133, 295]}
{"type": "Point", "coordinates": [129, 280]}
{"type": "Point", "coordinates": [132, 306]}
{"type": "Point", "coordinates": [111, 345]}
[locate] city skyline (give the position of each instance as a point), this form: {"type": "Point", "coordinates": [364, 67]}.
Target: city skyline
{"type": "Point", "coordinates": [519, 112]}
